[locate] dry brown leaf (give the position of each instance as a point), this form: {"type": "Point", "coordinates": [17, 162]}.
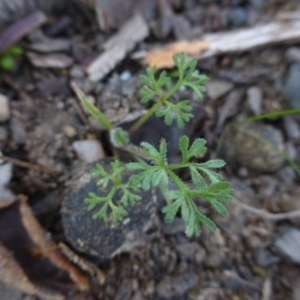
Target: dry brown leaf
{"type": "Point", "coordinates": [28, 254]}
{"type": "Point", "coordinates": [163, 58]}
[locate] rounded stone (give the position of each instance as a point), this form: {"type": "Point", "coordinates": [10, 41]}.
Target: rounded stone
{"type": "Point", "coordinates": [292, 86]}
{"type": "Point", "coordinates": [255, 146]}
{"type": "Point", "coordinates": [4, 108]}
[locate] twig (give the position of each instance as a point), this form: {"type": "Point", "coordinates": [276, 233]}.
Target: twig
{"type": "Point", "coordinates": [267, 215]}
{"type": "Point", "coordinates": [24, 164]}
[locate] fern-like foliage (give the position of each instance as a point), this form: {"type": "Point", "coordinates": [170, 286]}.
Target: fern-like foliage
{"type": "Point", "coordinates": [208, 185]}
{"type": "Point", "coordinates": [187, 76]}
{"type": "Point", "coordinates": [151, 168]}
{"type": "Point", "coordinates": [114, 182]}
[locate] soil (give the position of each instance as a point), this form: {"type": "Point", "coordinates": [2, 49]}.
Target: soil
{"type": "Point", "coordinates": [240, 260]}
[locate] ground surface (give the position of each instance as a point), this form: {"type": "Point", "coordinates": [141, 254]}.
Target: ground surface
{"type": "Point", "coordinates": [251, 256]}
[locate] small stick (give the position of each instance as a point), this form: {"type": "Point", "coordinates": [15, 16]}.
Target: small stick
{"type": "Point", "coordinates": [24, 164]}
{"type": "Point", "coordinates": [267, 215]}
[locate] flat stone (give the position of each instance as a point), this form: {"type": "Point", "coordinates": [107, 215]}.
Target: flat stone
{"type": "Point", "coordinates": [47, 45]}
{"type": "Point", "coordinates": [89, 150]}
{"type": "Point", "coordinates": [292, 55]}
{"type": "Point", "coordinates": [77, 72]}
{"type": "Point", "coordinates": [55, 60]}
{"type": "Point", "coordinates": [289, 244]}
{"type": "Point", "coordinates": [171, 287]}
{"type": "Point", "coordinates": [217, 88]}
{"type": "Point", "coordinates": [4, 108]}
{"type": "Point", "coordinates": [251, 145]}
{"type": "Point", "coordinates": [254, 99]}
{"type": "Point", "coordinates": [3, 134]}
{"type": "Point", "coordinates": [5, 176]}
{"type": "Point", "coordinates": [292, 87]}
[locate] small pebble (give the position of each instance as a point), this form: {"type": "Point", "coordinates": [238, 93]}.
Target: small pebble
{"type": "Point", "coordinates": [4, 108]}
{"type": "Point", "coordinates": [291, 127]}
{"type": "Point", "coordinates": [292, 86]}
{"type": "Point", "coordinates": [292, 55]}
{"type": "Point", "coordinates": [125, 75]}
{"type": "Point", "coordinates": [265, 258]}
{"type": "Point", "coordinates": [76, 72]}
{"type": "Point", "coordinates": [238, 16]}
{"type": "Point", "coordinates": [5, 177]}
{"type": "Point", "coordinates": [254, 99]}
{"type": "Point", "coordinates": [217, 88]}
{"type": "Point", "coordinates": [289, 244]}
{"type": "Point", "coordinates": [287, 174]}
{"type": "Point", "coordinates": [89, 150]}
{"type": "Point", "coordinates": [69, 131]}
{"type": "Point", "coordinates": [296, 289]}
{"type": "Point", "coordinates": [251, 145]}
{"type": "Point", "coordinates": [3, 134]}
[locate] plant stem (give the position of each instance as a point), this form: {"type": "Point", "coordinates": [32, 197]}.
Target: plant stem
{"type": "Point", "coordinates": [175, 178]}
{"type": "Point", "coordinates": [271, 115]}
{"type": "Point", "coordinates": [155, 107]}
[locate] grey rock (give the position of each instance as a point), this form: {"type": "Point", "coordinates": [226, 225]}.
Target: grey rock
{"type": "Point", "coordinates": [5, 176]}
{"type": "Point", "coordinates": [296, 289]}
{"type": "Point", "coordinates": [291, 127]}
{"type": "Point", "coordinates": [47, 45]}
{"type": "Point", "coordinates": [187, 250]}
{"type": "Point", "coordinates": [229, 108]}
{"type": "Point", "coordinates": [76, 72]}
{"type": "Point", "coordinates": [292, 55]}
{"type": "Point", "coordinates": [287, 174]}
{"type": "Point", "coordinates": [254, 146]}
{"type": "Point", "coordinates": [258, 3]}
{"type": "Point", "coordinates": [4, 108]}
{"type": "Point", "coordinates": [292, 86]}
{"type": "Point", "coordinates": [265, 258]}
{"type": "Point", "coordinates": [171, 287]}
{"type": "Point", "coordinates": [217, 88]}
{"type": "Point", "coordinates": [238, 16]}
{"type": "Point", "coordinates": [53, 60]}
{"type": "Point", "coordinates": [3, 134]}
{"type": "Point", "coordinates": [254, 99]}
{"type": "Point", "coordinates": [289, 244]}
{"type": "Point", "coordinates": [18, 132]}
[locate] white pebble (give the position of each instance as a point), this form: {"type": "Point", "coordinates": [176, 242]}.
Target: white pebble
{"type": "Point", "coordinates": [89, 150]}
{"type": "Point", "coordinates": [4, 108]}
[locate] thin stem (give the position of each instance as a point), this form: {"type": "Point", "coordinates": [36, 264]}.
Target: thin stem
{"type": "Point", "coordinates": [176, 179]}
{"type": "Point", "coordinates": [179, 166]}
{"type": "Point", "coordinates": [271, 115]}
{"type": "Point", "coordinates": [155, 107]}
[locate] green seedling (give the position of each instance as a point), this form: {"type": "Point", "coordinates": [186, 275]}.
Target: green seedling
{"type": "Point", "coordinates": [151, 167]}
{"type": "Point", "coordinates": [7, 58]}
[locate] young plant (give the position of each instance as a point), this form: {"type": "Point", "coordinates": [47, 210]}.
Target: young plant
{"type": "Point", "coordinates": [7, 58]}
{"type": "Point", "coordinates": [151, 168]}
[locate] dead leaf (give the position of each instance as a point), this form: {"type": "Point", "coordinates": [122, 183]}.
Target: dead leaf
{"type": "Point", "coordinates": [163, 58]}
{"type": "Point", "coordinates": [30, 261]}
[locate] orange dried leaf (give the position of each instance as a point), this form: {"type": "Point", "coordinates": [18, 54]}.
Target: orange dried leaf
{"type": "Point", "coordinates": [163, 58]}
